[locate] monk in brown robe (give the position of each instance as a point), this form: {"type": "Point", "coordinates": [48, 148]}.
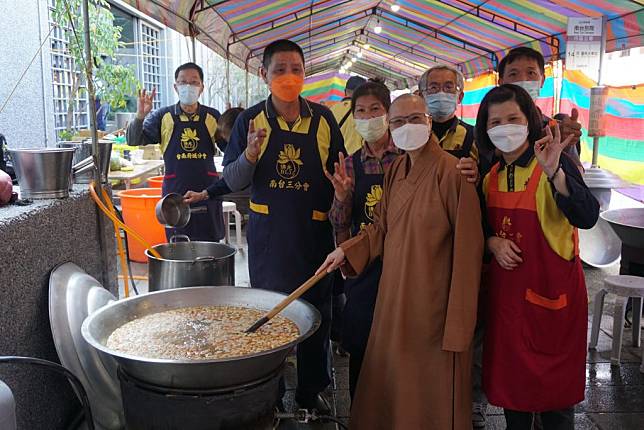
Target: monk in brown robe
{"type": "Point", "coordinates": [427, 229]}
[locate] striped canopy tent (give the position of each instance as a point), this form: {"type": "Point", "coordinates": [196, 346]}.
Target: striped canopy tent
{"type": "Point", "coordinates": [469, 34]}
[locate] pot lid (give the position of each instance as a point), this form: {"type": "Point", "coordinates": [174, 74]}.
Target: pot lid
{"type": "Point", "coordinates": [73, 295]}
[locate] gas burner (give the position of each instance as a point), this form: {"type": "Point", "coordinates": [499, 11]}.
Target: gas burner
{"type": "Point", "coordinates": [250, 406]}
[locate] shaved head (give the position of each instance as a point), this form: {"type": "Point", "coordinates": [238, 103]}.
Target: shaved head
{"type": "Point", "coordinates": [410, 124]}
{"type": "Point", "coordinates": [406, 105]}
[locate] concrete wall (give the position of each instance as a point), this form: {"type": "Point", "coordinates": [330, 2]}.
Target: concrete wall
{"type": "Point", "coordinates": [26, 121]}
{"type": "Point", "coordinates": [35, 239]}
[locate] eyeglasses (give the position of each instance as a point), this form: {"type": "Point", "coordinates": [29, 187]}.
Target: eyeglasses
{"type": "Point", "coordinates": [414, 118]}
{"type": "Point", "coordinates": [193, 83]}
{"type": "Point", "coordinates": [448, 87]}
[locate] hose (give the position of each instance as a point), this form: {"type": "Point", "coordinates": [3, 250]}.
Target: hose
{"type": "Point", "coordinates": [119, 245]}
{"type": "Point", "coordinates": [76, 384]}
{"type": "Point", "coordinates": [304, 416]}
{"type": "Point", "coordinates": [127, 254]}
{"type": "Point", "coordinates": [334, 419]}
{"type": "Point", "coordinates": [137, 277]}
{"type": "Point", "coordinates": [110, 212]}
{"type": "Point", "coordinates": [115, 220]}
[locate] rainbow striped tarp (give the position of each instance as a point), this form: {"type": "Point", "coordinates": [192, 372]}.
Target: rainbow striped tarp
{"type": "Point", "coordinates": [622, 149]}
{"type": "Point", "coordinates": [477, 88]}
{"type": "Point", "coordinates": [470, 34]}
{"type": "Point", "coordinates": [328, 87]}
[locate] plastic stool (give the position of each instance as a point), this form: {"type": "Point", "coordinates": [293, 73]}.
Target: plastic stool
{"type": "Point", "coordinates": [624, 287]}
{"type": "Point", "coordinates": [229, 207]}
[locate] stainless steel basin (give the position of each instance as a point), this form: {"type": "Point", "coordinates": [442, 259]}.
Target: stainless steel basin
{"type": "Point", "coordinates": [198, 374]}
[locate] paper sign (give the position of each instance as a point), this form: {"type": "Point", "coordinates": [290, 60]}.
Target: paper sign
{"type": "Point", "coordinates": [596, 117]}
{"type": "Point", "coordinates": [584, 44]}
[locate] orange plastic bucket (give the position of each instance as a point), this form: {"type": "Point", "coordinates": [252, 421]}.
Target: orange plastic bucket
{"type": "Point", "coordinates": [138, 213]}
{"type": "Point", "coordinates": [155, 182]}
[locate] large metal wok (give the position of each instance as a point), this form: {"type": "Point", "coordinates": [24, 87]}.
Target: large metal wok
{"type": "Point", "coordinates": [628, 223]}
{"type": "Point", "coordinates": [198, 374]}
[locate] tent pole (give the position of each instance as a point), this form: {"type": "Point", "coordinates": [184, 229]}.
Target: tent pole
{"type": "Point", "coordinates": [247, 89]}
{"type": "Point", "coordinates": [228, 80]}
{"type": "Point", "coordinates": [194, 50]}
{"type": "Point", "coordinates": [599, 82]}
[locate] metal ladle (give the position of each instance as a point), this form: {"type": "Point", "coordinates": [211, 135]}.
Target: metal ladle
{"type": "Point", "coordinates": [173, 211]}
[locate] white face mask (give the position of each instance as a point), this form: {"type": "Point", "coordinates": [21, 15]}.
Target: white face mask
{"type": "Point", "coordinates": [508, 137]}
{"type": "Point", "coordinates": [532, 87]}
{"type": "Point", "coordinates": [371, 129]}
{"type": "Point", "coordinates": [441, 105]}
{"type": "Point", "coordinates": [410, 137]}
{"type": "Point", "coordinates": [188, 94]}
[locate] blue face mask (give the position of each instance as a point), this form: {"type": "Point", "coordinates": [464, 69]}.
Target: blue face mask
{"type": "Point", "coordinates": [441, 105]}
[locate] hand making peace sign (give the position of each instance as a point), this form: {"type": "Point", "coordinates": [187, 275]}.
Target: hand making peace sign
{"type": "Point", "coordinates": [254, 142]}
{"type": "Point", "coordinates": [342, 183]}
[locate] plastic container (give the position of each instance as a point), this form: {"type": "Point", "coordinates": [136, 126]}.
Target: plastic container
{"type": "Point", "coordinates": [155, 182]}
{"type": "Point", "coordinates": [138, 213]}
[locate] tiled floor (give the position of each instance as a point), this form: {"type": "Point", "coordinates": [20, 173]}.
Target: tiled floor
{"type": "Point", "coordinates": [614, 394]}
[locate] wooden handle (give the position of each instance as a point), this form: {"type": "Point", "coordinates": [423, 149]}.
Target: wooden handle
{"type": "Point", "coordinates": [296, 294]}
{"type": "Point", "coordinates": [288, 300]}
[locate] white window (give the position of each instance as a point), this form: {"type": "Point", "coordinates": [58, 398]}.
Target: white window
{"type": "Point", "coordinates": [65, 76]}
{"type": "Point", "coordinates": [150, 57]}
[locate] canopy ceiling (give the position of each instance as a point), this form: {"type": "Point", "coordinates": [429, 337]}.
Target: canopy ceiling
{"type": "Point", "coordinates": [470, 34]}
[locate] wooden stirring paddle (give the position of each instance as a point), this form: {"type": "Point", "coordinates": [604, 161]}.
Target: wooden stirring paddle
{"type": "Point", "coordinates": [284, 303]}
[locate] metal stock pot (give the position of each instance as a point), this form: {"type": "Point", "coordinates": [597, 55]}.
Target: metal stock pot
{"type": "Point", "coordinates": [191, 264]}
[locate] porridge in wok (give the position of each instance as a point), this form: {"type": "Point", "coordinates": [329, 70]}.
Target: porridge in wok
{"type": "Point", "coordinates": [201, 333]}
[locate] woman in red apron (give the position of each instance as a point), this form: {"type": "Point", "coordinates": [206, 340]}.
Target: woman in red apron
{"type": "Point", "coordinates": [536, 313]}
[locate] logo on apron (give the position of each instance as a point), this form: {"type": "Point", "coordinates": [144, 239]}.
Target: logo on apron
{"type": "Point", "coordinates": [506, 231]}
{"type": "Point", "coordinates": [373, 198]}
{"type": "Point", "coordinates": [288, 163]}
{"type": "Point", "coordinates": [189, 140]}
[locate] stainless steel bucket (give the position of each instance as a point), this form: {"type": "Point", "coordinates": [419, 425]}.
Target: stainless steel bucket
{"type": "Point", "coordinates": [190, 264]}
{"type": "Point", "coordinates": [83, 162]}
{"type": "Point", "coordinates": [43, 173]}
{"type": "Point", "coordinates": [123, 118]}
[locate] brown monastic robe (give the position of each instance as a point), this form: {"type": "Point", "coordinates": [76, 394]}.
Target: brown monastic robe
{"type": "Point", "coordinates": [416, 373]}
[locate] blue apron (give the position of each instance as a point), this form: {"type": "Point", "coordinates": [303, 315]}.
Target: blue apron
{"type": "Point", "coordinates": [189, 166]}
{"type": "Point", "coordinates": [362, 291]}
{"type": "Point", "coordinates": [289, 235]}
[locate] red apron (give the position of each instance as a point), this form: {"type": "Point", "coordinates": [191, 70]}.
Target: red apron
{"type": "Point", "coordinates": [537, 314]}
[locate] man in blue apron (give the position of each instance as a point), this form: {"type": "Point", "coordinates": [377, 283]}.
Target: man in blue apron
{"type": "Point", "coordinates": [280, 147]}
{"type": "Point", "coordinates": [186, 134]}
